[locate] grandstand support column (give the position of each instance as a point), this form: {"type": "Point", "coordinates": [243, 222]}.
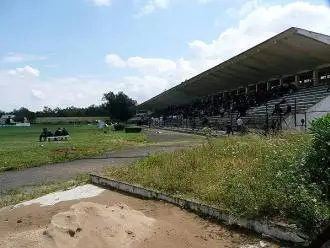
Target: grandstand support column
{"type": "Point", "coordinates": [315, 77]}
{"type": "Point", "coordinates": [296, 79]}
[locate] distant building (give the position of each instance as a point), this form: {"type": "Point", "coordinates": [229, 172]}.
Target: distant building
{"type": "Point", "coordinates": [3, 119]}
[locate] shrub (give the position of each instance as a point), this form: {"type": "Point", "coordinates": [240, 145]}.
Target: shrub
{"type": "Point", "coordinates": [318, 158]}
{"type": "Point", "coordinates": [249, 176]}
{"type": "Point", "coordinates": [133, 129]}
{"type": "Point", "coordinates": [119, 127]}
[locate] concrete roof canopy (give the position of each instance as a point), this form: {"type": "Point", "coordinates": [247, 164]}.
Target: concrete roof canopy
{"type": "Point", "coordinates": [287, 53]}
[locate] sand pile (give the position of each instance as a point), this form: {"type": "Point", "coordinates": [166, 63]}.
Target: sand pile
{"type": "Point", "coordinates": [88, 225]}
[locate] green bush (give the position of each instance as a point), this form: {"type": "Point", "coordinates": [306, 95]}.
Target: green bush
{"type": "Point", "coordinates": [249, 176]}
{"type": "Point", "coordinates": [133, 129]}
{"type": "Point", "coordinates": [318, 158]}
{"type": "Point", "coordinates": [119, 127]}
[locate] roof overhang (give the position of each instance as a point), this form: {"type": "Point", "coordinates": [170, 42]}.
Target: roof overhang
{"type": "Point", "coordinates": [287, 53]}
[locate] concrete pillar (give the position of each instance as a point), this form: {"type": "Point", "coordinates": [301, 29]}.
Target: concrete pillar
{"type": "Point", "coordinates": [246, 90]}
{"type": "Point", "coordinates": [315, 77]}
{"type": "Point", "coordinates": [268, 86]}
{"type": "Point", "coordinates": [256, 87]}
{"type": "Point", "coordinates": [296, 79]}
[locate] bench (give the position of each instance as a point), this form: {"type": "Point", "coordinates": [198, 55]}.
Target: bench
{"type": "Point", "coordinates": [57, 138]}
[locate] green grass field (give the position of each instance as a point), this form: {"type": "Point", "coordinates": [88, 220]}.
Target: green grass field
{"type": "Point", "coordinates": [20, 147]}
{"type": "Point", "coordinates": [249, 176]}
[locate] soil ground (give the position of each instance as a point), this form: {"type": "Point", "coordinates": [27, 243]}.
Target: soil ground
{"type": "Point", "coordinates": [173, 227]}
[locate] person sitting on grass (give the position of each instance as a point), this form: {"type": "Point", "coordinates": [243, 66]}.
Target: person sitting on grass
{"type": "Point", "coordinates": [58, 132]}
{"type": "Point", "coordinates": [50, 134]}
{"type": "Point", "coordinates": [44, 134]}
{"type": "Point", "coordinates": [65, 132]}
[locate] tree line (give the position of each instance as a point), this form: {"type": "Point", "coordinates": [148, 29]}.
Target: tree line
{"type": "Point", "coordinates": [118, 107]}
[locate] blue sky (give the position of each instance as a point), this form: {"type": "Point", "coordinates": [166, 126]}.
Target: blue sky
{"type": "Point", "coordinates": [62, 53]}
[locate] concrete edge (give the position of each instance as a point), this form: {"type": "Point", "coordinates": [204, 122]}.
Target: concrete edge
{"type": "Point", "coordinates": [188, 131]}
{"type": "Point", "coordinates": [280, 232]}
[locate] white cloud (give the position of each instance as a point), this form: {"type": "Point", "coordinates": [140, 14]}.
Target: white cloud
{"type": "Point", "coordinates": [167, 69]}
{"type": "Point", "coordinates": [34, 92]}
{"type": "Point", "coordinates": [249, 32]}
{"type": "Point", "coordinates": [204, 1]}
{"type": "Point", "coordinates": [19, 58]}
{"type": "Point", "coordinates": [37, 94]}
{"type": "Point", "coordinates": [152, 75]}
{"type": "Point", "coordinates": [102, 2]}
{"type": "Point", "coordinates": [114, 60]}
{"type": "Point", "coordinates": [260, 23]}
{"type": "Point", "coordinates": [24, 71]}
{"type": "Point", "coordinates": [153, 5]}
{"type": "Point", "coordinates": [245, 9]}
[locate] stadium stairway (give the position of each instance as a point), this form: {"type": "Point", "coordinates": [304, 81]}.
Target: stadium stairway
{"type": "Point", "coordinates": [256, 117]}
{"type": "Point", "coordinates": [304, 99]}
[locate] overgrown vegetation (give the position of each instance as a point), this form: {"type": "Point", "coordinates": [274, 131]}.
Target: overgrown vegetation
{"type": "Point", "coordinates": [19, 147]}
{"type": "Point", "coordinates": [283, 178]}
{"type": "Point", "coordinates": [318, 159]}
{"type": "Point", "coordinates": [15, 196]}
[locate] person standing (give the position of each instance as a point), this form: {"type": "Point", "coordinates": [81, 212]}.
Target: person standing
{"type": "Point", "coordinates": [239, 124]}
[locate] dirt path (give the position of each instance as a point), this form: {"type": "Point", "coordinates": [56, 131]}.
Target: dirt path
{"type": "Point", "coordinates": [164, 141]}
{"type": "Point", "coordinates": [173, 227]}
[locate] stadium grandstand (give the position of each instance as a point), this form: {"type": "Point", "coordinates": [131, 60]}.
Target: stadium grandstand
{"type": "Point", "coordinates": [281, 83]}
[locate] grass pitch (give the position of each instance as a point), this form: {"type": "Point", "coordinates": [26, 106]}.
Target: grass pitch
{"type": "Point", "coordinates": [20, 147]}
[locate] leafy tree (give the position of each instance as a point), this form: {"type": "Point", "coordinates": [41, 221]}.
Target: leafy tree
{"type": "Point", "coordinates": [119, 106]}
{"type": "Point", "coordinates": [24, 112]}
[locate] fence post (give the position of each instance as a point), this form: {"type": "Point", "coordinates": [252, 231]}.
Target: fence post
{"type": "Point", "coordinates": [295, 112]}
{"type": "Point", "coordinates": [305, 121]}
{"type": "Point", "coordinates": [266, 119]}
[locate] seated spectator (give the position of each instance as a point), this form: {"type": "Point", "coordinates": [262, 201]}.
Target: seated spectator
{"type": "Point", "coordinates": [58, 132]}
{"type": "Point", "coordinates": [222, 111]}
{"type": "Point", "coordinates": [49, 133]}
{"type": "Point", "coordinates": [229, 129]}
{"type": "Point", "coordinates": [43, 134]}
{"type": "Point", "coordinates": [288, 109]}
{"type": "Point", "coordinates": [277, 109]}
{"type": "Point", "coordinates": [292, 88]}
{"type": "Point", "coordinates": [205, 122]}
{"type": "Point", "coordinates": [282, 101]}
{"type": "Point", "coordinates": [65, 132]}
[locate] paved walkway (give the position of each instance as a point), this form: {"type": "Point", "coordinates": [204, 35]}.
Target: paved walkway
{"type": "Point", "coordinates": [164, 142]}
